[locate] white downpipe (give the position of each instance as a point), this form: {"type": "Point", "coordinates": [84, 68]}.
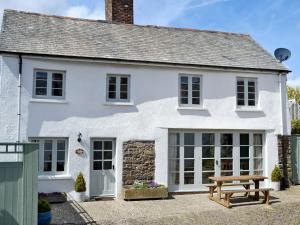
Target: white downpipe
{"type": "Point", "coordinates": [19, 99]}
{"type": "Point", "coordinates": [280, 103]}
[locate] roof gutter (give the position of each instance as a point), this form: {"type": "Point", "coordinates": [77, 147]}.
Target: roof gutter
{"type": "Point", "coordinates": [146, 62]}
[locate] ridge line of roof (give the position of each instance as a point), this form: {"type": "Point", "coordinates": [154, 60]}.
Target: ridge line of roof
{"type": "Point", "coordinates": [137, 25]}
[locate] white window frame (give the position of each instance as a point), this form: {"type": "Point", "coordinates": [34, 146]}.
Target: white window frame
{"type": "Point", "coordinates": [246, 80]}
{"type": "Point", "coordinates": [41, 142]}
{"type": "Point", "coordinates": [118, 85]}
{"type": "Point", "coordinates": [49, 84]}
{"type": "Point", "coordinates": [190, 99]}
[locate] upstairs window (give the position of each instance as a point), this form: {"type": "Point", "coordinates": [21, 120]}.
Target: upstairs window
{"type": "Point", "coordinates": [49, 84]}
{"type": "Point", "coordinates": [246, 92]}
{"type": "Point", "coordinates": [190, 90]}
{"type": "Point", "coordinates": [118, 88]}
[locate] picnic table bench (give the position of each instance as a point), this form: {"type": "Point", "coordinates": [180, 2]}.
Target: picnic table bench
{"type": "Point", "coordinates": [244, 181]}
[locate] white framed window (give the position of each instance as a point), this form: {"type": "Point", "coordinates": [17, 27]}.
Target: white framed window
{"type": "Point", "coordinates": [190, 90]}
{"type": "Point", "coordinates": [49, 84]}
{"type": "Point", "coordinates": [53, 155]}
{"type": "Point", "coordinates": [258, 154]}
{"type": "Point", "coordinates": [244, 154]}
{"type": "Point", "coordinates": [246, 92]}
{"type": "Point", "coordinates": [118, 88]}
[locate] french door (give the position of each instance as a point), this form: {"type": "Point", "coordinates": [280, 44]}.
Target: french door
{"type": "Point", "coordinates": [195, 156]}
{"type": "Point", "coordinates": [102, 167]}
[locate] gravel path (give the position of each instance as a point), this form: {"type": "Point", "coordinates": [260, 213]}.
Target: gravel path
{"type": "Point", "coordinates": [196, 209]}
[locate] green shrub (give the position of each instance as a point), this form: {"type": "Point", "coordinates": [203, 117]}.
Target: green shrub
{"type": "Point", "coordinates": [295, 126]}
{"type": "Point", "coordinates": [43, 205]}
{"type": "Point", "coordinates": [276, 174]}
{"type": "Point", "coordinates": [80, 183]}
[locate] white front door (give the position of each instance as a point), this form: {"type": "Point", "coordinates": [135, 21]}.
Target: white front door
{"type": "Point", "coordinates": [195, 156]}
{"type": "Point", "coordinates": [102, 167]}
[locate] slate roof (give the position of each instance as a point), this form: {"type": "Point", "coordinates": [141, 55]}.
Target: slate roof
{"type": "Point", "coordinates": [33, 33]}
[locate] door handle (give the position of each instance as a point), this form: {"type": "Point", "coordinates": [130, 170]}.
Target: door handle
{"type": "Point", "coordinates": [217, 162]}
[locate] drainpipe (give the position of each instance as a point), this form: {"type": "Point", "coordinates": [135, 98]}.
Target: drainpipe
{"type": "Point", "coordinates": [19, 98]}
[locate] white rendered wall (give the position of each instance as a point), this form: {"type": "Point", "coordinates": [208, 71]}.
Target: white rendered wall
{"type": "Point", "coordinates": [154, 93]}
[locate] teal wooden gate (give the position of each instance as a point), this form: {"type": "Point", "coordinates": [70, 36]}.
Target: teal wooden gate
{"type": "Point", "coordinates": [295, 148]}
{"type": "Point", "coordinates": [18, 184]}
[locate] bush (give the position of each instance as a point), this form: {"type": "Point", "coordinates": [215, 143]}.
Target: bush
{"type": "Point", "coordinates": [295, 126]}
{"type": "Point", "coordinates": [43, 205]}
{"type": "Point", "coordinates": [276, 174]}
{"type": "Point", "coordinates": [80, 183]}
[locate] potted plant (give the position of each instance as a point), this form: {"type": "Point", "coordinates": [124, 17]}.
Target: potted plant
{"type": "Point", "coordinates": [276, 177]}
{"type": "Point", "coordinates": [44, 212]}
{"type": "Point", "coordinates": [80, 188]}
{"type": "Point", "coordinates": [145, 190]}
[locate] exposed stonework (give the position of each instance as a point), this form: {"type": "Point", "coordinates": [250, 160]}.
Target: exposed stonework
{"type": "Point", "coordinates": [120, 11]}
{"type": "Point", "coordinates": [285, 159]}
{"type": "Point", "coordinates": [138, 161]}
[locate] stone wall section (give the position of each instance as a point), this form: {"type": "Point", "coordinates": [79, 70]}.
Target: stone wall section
{"type": "Point", "coordinates": [285, 159]}
{"type": "Point", "coordinates": [138, 161]}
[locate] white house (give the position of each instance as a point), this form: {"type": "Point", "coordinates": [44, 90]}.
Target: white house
{"type": "Point", "coordinates": [120, 101]}
{"type": "Point", "coordinates": [294, 109]}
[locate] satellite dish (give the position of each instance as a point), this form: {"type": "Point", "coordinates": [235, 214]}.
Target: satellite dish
{"type": "Point", "coordinates": [282, 54]}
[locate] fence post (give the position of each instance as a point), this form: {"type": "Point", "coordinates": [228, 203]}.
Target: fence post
{"type": "Point", "coordinates": [30, 179]}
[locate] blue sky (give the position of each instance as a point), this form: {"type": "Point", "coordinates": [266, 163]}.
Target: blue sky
{"type": "Point", "coordinates": [273, 23]}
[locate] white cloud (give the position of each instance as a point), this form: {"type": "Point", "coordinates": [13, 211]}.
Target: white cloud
{"type": "Point", "coordinates": [82, 11]}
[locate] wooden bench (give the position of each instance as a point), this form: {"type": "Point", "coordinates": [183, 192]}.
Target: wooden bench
{"type": "Point", "coordinates": [212, 187]}
{"type": "Point", "coordinates": [229, 193]}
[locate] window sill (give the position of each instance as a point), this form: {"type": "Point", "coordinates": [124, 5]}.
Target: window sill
{"type": "Point", "coordinates": [118, 104]}
{"type": "Point", "coordinates": [54, 177]}
{"type": "Point", "coordinates": [191, 108]}
{"type": "Point", "coordinates": [53, 101]}
{"type": "Point", "coordinates": [247, 109]}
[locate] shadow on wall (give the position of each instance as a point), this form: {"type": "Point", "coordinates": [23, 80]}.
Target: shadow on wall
{"type": "Point", "coordinates": [251, 114]}
{"type": "Point", "coordinates": [7, 219]}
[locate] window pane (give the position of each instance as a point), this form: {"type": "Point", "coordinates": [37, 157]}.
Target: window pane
{"type": "Point", "coordinates": [57, 92]}
{"type": "Point", "coordinates": [241, 95]}
{"type": "Point", "coordinates": [174, 178]}
{"type": "Point", "coordinates": [226, 139]}
{"type": "Point", "coordinates": [208, 139]}
{"type": "Point", "coordinates": [196, 94]}
{"type": "Point", "coordinates": [48, 145]}
{"type": "Point", "coordinates": [61, 155]}
{"type": "Point", "coordinates": [108, 145]}
{"type": "Point", "coordinates": [112, 95]}
{"type": "Point", "coordinates": [244, 139]}
{"type": "Point", "coordinates": [196, 101]}
{"type": "Point", "coordinates": [240, 88]}
{"type": "Point", "coordinates": [257, 139]}
{"type": "Point", "coordinates": [123, 88]}
{"type": "Point", "coordinates": [60, 166]}
{"type": "Point", "coordinates": [184, 80]}
{"type": "Point", "coordinates": [108, 155]}
{"type": "Point", "coordinates": [258, 164]}
{"type": "Point", "coordinates": [123, 95]}
{"type": "Point", "coordinates": [184, 87]}
{"type": "Point", "coordinates": [251, 89]}
{"type": "Point", "coordinates": [226, 152]}
{"type": "Point", "coordinates": [189, 138]}
{"type": "Point", "coordinates": [57, 76]}
{"type": "Point", "coordinates": [240, 82]}
{"type": "Point", "coordinates": [174, 139]}
{"type": "Point", "coordinates": [112, 88]}
{"type": "Point", "coordinates": [188, 152]}
{"type": "Point", "coordinates": [189, 165]}
{"type": "Point", "coordinates": [244, 164]}
{"type": "Point", "coordinates": [240, 102]}
{"type": "Point", "coordinates": [258, 172]}
{"type": "Point", "coordinates": [61, 145]}
{"type": "Point", "coordinates": [251, 96]}
{"type": "Point", "coordinates": [226, 173]}
{"type": "Point", "coordinates": [98, 165]}
{"type": "Point", "coordinates": [41, 83]}
{"type": "Point", "coordinates": [47, 166]}
{"type": "Point", "coordinates": [208, 164]}
{"type": "Point", "coordinates": [244, 151]}
{"type": "Point", "coordinates": [57, 84]}
{"type": "Point", "coordinates": [184, 101]}
{"type": "Point", "coordinates": [174, 165]}
{"type": "Point", "coordinates": [184, 94]}
{"type": "Point", "coordinates": [251, 102]}
{"type": "Point", "coordinates": [97, 145]}
{"type": "Point", "coordinates": [112, 80]}
{"type": "Point", "coordinates": [226, 164]}
{"type": "Point", "coordinates": [208, 152]}
{"type": "Point", "coordinates": [244, 173]}
{"type": "Point", "coordinates": [196, 80]}
{"type": "Point", "coordinates": [124, 80]}
{"type": "Point", "coordinates": [97, 155]}
{"type": "Point", "coordinates": [41, 91]}
{"type": "Point", "coordinates": [107, 165]}
{"type": "Point", "coordinates": [41, 75]}
{"type": "Point", "coordinates": [205, 177]}
{"type": "Point", "coordinates": [188, 178]}
{"type": "Point", "coordinates": [257, 151]}
{"type": "Point", "coordinates": [48, 155]}
{"type": "Point", "coordinates": [196, 87]}
{"type": "Point", "coordinates": [251, 83]}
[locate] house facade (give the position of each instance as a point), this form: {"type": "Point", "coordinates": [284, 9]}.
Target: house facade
{"type": "Point", "coordinates": [121, 102]}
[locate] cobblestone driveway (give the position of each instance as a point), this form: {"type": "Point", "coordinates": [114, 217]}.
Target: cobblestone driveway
{"type": "Point", "coordinates": [197, 209]}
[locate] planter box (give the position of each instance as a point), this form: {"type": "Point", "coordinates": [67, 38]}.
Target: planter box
{"type": "Point", "coordinates": [147, 193]}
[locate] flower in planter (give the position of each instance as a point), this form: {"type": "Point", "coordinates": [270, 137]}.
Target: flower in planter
{"type": "Point", "coordinates": [153, 184]}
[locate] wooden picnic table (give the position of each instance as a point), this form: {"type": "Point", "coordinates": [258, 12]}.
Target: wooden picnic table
{"type": "Point", "coordinates": [219, 181]}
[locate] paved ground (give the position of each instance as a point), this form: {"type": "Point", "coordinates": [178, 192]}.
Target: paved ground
{"type": "Point", "coordinates": [194, 209]}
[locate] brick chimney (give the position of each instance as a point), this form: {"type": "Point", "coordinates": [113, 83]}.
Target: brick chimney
{"type": "Point", "coordinates": [120, 11]}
